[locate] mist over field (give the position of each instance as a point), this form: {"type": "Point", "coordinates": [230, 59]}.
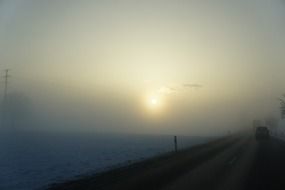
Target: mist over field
{"type": "Point", "coordinates": [87, 86]}
{"type": "Point", "coordinates": [155, 67]}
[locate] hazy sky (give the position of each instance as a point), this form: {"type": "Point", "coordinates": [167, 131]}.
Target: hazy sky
{"type": "Point", "coordinates": [146, 66]}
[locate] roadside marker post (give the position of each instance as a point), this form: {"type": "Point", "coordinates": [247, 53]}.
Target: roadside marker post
{"type": "Point", "coordinates": [175, 144]}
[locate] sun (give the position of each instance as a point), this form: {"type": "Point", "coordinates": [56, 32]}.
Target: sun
{"type": "Point", "coordinates": [154, 101]}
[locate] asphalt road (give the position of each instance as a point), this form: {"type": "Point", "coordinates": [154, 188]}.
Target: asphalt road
{"type": "Point", "coordinates": [268, 169]}
{"type": "Point", "coordinates": [247, 165]}
{"type": "Point", "coordinates": [231, 164]}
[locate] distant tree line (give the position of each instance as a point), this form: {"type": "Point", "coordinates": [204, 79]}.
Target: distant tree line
{"type": "Point", "coordinates": [282, 106]}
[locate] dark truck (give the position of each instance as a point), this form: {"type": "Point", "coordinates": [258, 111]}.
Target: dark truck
{"type": "Point", "coordinates": [262, 133]}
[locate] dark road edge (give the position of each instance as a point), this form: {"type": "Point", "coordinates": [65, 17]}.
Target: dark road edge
{"type": "Point", "coordinates": [153, 173]}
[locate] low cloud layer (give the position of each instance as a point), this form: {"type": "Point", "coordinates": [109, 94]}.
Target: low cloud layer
{"type": "Point", "coordinates": [193, 85]}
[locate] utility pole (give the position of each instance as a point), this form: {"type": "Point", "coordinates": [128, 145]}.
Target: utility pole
{"type": "Point", "coordinates": [4, 103]}
{"type": "Point", "coordinates": [6, 83]}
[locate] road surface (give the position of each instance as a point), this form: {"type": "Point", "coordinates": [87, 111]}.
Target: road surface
{"type": "Point", "coordinates": [233, 163]}
{"type": "Point", "coordinates": [268, 169]}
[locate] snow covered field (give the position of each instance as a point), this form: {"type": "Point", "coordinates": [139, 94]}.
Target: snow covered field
{"type": "Point", "coordinates": [32, 161]}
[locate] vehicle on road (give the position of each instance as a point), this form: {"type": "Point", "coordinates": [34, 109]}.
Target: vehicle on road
{"type": "Point", "coordinates": [262, 133]}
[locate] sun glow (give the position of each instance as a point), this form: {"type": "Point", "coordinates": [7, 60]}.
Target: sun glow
{"type": "Point", "coordinates": [154, 102]}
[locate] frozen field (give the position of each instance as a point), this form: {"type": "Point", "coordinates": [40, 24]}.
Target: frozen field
{"type": "Point", "coordinates": [34, 161]}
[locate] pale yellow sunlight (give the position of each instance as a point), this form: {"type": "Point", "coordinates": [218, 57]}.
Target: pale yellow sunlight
{"type": "Point", "coordinates": [153, 102]}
